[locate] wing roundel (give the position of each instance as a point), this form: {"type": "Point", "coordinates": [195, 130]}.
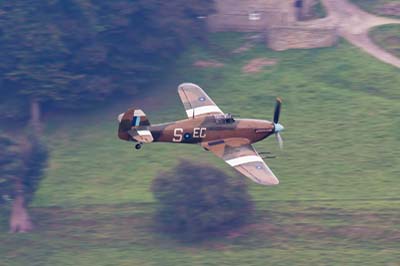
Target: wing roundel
{"type": "Point", "coordinates": [196, 102]}
{"type": "Point", "coordinates": [239, 154]}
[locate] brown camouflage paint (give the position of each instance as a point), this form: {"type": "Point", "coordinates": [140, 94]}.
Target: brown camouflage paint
{"type": "Point", "coordinates": [190, 129]}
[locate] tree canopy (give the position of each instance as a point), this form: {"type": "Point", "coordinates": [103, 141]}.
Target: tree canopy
{"type": "Point", "coordinates": [11, 164]}
{"type": "Point", "coordinates": [66, 52]}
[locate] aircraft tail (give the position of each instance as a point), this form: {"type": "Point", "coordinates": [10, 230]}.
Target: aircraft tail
{"type": "Point", "coordinates": [136, 118]}
{"type": "Point", "coordinates": [134, 125]}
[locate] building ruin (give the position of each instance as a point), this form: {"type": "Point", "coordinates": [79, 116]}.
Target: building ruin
{"type": "Point", "coordinates": [280, 20]}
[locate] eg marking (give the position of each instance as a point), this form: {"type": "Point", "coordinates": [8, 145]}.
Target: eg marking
{"type": "Point", "coordinates": [198, 133]}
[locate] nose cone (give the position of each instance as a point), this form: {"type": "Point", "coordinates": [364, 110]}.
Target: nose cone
{"type": "Point", "coordinates": [120, 117]}
{"type": "Point", "coordinates": [278, 128]}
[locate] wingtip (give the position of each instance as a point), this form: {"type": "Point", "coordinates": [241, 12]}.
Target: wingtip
{"type": "Point", "coordinates": [275, 182]}
{"type": "Point", "coordinates": [272, 182]}
{"type": "Point", "coordinates": [188, 84]}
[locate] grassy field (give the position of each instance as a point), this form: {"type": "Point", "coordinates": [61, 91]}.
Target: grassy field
{"type": "Point", "coordinates": [338, 201]}
{"type": "Point", "coordinates": [378, 7]}
{"type": "Point", "coordinates": [388, 37]}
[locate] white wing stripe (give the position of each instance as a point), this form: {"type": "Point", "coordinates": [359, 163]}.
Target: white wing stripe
{"type": "Point", "coordinates": [143, 132]}
{"type": "Point", "coordinates": [244, 159]}
{"type": "Point", "coordinates": [203, 110]}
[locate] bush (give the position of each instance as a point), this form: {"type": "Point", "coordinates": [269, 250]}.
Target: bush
{"type": "Point", "coordinates": [198, 201]}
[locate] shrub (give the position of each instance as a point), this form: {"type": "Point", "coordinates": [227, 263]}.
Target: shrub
{"type": "Point", "coordinates": [198, 201]}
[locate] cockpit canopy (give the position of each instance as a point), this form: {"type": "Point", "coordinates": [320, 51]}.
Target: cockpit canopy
{"type": "Point", "coordinates": [224, 119]}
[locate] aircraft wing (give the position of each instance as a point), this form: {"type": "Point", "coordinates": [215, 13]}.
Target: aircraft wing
{"type": "Point", "coordinates": [196, 101]}
{"type": "Point", "coordinates": [241, 155]}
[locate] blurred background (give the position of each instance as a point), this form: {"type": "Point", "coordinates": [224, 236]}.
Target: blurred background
{"type": "Point", "coordinates": [72, 193]}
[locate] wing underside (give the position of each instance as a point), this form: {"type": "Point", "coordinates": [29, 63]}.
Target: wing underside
{"type": "Point", "coordinates": [196, 102]}
{"type": "Point", "coordinates": [242, 156]}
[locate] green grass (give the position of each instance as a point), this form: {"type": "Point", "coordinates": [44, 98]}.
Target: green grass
{"type": "Point", "coordinates": [124, 235]}
{"type": "Point", "coordinates": [337, 204]}
{"type": "Point", "coordinates": [375, 6]}
{"type": "Point", "coordinates": [388, 37]}
{"type": "Point", "coordinates": [339, 109]}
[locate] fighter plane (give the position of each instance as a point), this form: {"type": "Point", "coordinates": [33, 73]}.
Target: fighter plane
{"type": "Point", "coordinates": [228, 138]}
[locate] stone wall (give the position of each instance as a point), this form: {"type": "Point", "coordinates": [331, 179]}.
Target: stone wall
{"type": "Point", "coordinates": [300, 37]}
{"type": "Point", "coordinates": [277, 18]}
{"type": "Point", "coordinates": [250, 15]}
{"type": "Point", "coordinates": [240, 22]}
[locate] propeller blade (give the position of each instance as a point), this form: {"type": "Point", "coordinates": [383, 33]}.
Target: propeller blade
{"type": "Point", "coordinates": [277, 110]}
{"type": "Point", "coordinates": [279, 139]}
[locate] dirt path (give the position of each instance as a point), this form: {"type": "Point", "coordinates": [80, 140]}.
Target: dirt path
{"type": "Point", "coordinates": [353, 24]}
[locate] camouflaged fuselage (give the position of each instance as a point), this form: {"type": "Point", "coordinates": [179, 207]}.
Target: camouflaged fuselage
{"type": "Point", "coordinates": [208, 129]}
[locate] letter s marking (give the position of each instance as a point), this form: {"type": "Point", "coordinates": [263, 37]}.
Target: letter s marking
{"type": "Point", "coordinates": [177, 135]}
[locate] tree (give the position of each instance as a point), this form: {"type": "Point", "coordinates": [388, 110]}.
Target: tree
{"type": "Point", "coordinates": [196, 201]}
{"type": "Point", "coordinates": [21, 169]}
{"type": "Point", "coordinates": [64, 52]}
{"type": "Point", "coordinates": [10, 165]}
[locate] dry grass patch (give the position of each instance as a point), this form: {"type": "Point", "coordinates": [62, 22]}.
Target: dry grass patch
{"type": "Point", "coordinates": [256, 65]}
{"type": "Point", "coordinates": [243, 48]}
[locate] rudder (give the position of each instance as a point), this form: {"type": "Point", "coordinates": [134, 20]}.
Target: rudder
{"type": "Point", "coordinates": [139, 118]}
{"type": "Point", "coordinates": [134, 126]}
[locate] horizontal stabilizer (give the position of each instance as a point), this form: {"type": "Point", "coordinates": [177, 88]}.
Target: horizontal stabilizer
{"type": "Point", "coordinates": [141, 135]}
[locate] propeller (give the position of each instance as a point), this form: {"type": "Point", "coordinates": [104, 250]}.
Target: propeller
{"type": "Point", "coordinates": [278, 127]}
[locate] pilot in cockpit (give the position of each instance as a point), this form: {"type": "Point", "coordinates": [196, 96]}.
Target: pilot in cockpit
{"type": "Point", "coordinates": [224, 119]}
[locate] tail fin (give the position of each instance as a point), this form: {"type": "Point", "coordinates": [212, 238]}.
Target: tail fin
{"type": "Point", "coordinates": [133, 118]}
{"type": "Point", "coordinates": [133, 125]}
{"type": "Point", "coordinates": [139, 118]}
